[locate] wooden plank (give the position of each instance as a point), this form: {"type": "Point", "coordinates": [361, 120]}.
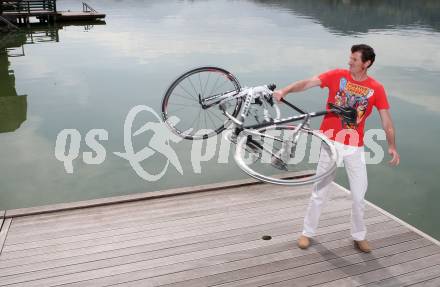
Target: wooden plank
{"type": "Point", "coordinates": [85, 255]}
{"type": "Point", "coordinates": [213, 231]}
{"type": "Point", "coordinates": [31, 14]}
{"type": "Point", "coordinates": [156, 206]}
{"type": "Point", "coordinates": [139, 196]}
{"type": "Point", "coordinates": [101, 226]}
{"type": "Point", "coordinates": [131, 197]}
{"type": "Point", "coordinates": [173, 247]}
{"type": "Point", "coordinates": [220, 269]}
{"type": "Point", "coordinates": [155, 234]}
{"type": "Point", "coordinates": [160, 208]}
{"type": "Point", "coordinates": [254, 192]}
{"type": "Point", "coordinates": [99, 222]}
{"type": "Point", "coordinates": [398, 275]}
{"type": "Point", "coordinates": [243, 269]}
{"type": "Point", "coordinates": [121, 199]}
{"type": "Point", "coordinates": [341, 267]}
{"type": "Point", "coordinates": [150, 227]}
{"type": "Point", "coordinates": [38, 256]}
{"type": "Point", "coordinates": [171, 251]}
{"type": "Point", "coordinates": [160, 222]}
{"type": "Point", "coordinates": [251, 190]}
{"type": "Point", "coordinates": [144, 264]}
{"type": "Point", "coordinates": [71, 16]}
{"type": "Point", "coordinates": [434, 282]}
{"type": "Point", "coordinates": [134, 224]}
{"type": "Point", "coordinates": [245, 191]}
{"type": "Point", "coordinates": [433, 240]}
{"type": "Point", "coordinates": [4, 232]}
{"type": "Point", "coordinates": [183, 211]}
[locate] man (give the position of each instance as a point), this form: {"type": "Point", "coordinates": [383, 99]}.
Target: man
{"type": "Point", "coordinates": [354, 88]}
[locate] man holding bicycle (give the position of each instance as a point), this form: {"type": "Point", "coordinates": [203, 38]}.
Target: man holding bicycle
{"type": "Point", "coordinates": [353, 88]}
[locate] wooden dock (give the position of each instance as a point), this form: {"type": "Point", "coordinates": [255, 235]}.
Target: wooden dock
{"type": "Point", "coordinates": [79, 16]}
{"type": "Point", "coordinates": [20, 12]}
{"type": "Point", "coordinates": [209, 236]}
{"type": "Point", "coordinates": [59, 16]}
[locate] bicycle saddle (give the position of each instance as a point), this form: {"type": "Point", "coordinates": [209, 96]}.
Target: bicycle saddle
{"type": "Point", "coordinates": [348, 114]}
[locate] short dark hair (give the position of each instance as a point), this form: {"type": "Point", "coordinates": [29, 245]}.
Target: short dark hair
{"type": "Point", "coordinates": [366, 51]}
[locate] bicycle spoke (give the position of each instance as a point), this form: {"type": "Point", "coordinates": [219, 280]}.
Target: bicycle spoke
{"type": "Point", "coordinates": [200, 85]}
{"type": "Point", "coordinates": [209, 116]}
{"type": "Point", "coordinates": [221, 85]}
{"type": "Point", "coordinates": [189, 79]}
{"type": "Point", "coordinates": [179, 109]}
{"type": "Point", "coordinates": [215, 84]}
{"type": "Point", "coordinates": [183, 88]}
{"type": "Point", "coordinates": [221, 120]}
{"type": "Point", "coordinates": [204, 117]}
{"type": "Point", "coordinates": [189, 99]}
{"type": "Point", "coordinates": [186, 105]}
{"type": "Point", "coordinates": [183, 97]}
{"type": "Point", "coordinates": [204, 89]}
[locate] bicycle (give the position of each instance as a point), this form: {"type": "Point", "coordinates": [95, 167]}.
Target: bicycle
{"type": "Point", "coordinates": [265, 148]}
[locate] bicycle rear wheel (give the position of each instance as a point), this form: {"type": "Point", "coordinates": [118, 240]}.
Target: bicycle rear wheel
{"type": "Point", "coordinates": [278, 155]}
{"type": "Point", "coordinates": [182, 108]}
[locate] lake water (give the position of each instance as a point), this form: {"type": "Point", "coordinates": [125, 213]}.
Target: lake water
{"type": "Point", "coordinates": [89, 77]}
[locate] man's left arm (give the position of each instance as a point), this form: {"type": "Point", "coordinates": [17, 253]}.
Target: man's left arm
{"type": "Point", "coordinates": [388, 126]}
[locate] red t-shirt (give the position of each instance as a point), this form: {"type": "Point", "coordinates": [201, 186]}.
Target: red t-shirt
{"type": "Point", "coordinates": [344, 91]}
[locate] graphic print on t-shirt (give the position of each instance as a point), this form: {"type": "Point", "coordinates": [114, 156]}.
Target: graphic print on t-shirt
{"type": "Point", "coordinates": [355, 96]}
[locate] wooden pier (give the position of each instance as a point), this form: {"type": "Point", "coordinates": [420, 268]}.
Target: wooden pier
{"type": "Point", "coordinates": [20, 11]}
{"type": "Point", "coordinates": [209, 236]}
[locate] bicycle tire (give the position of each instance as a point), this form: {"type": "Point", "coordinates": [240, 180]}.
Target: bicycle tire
{"type": "Point", "coordinates": [262, 168]}
{"type": "Point", "coordinates": [190, 104]}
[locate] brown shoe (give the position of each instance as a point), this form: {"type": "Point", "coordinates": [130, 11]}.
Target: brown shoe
{"type": "Point", "coordinates": [303, 242]}
{"type": "Point", "coordinates": [362, 246]}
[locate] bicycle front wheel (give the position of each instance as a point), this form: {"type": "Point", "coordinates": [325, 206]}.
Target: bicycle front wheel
{"type": "Point", "coordinates": [185, 106]}
{"type": "Point", "coordinates": [282, 155]}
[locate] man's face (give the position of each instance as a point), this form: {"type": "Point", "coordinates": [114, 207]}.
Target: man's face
{"type": "Point", "coordinates": [355, 63]}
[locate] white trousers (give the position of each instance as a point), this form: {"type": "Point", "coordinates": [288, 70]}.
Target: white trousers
{"type": "Point", "coordinates": [353, 159]}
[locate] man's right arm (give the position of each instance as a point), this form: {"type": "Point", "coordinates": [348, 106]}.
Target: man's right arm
{"type": "Point", "coordinates": [297, 87]}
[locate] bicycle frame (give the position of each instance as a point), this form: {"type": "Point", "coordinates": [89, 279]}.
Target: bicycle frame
{"type": "Point", "coordinates": [217, 99]}
{"type": "Point", "coordinates": [249, 96]}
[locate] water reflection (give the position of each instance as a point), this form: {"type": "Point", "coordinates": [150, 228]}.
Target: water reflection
{"type": "Point", "coordinates": [349, 17]}
{"type": "Point", "coordinates": [13, 107]}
